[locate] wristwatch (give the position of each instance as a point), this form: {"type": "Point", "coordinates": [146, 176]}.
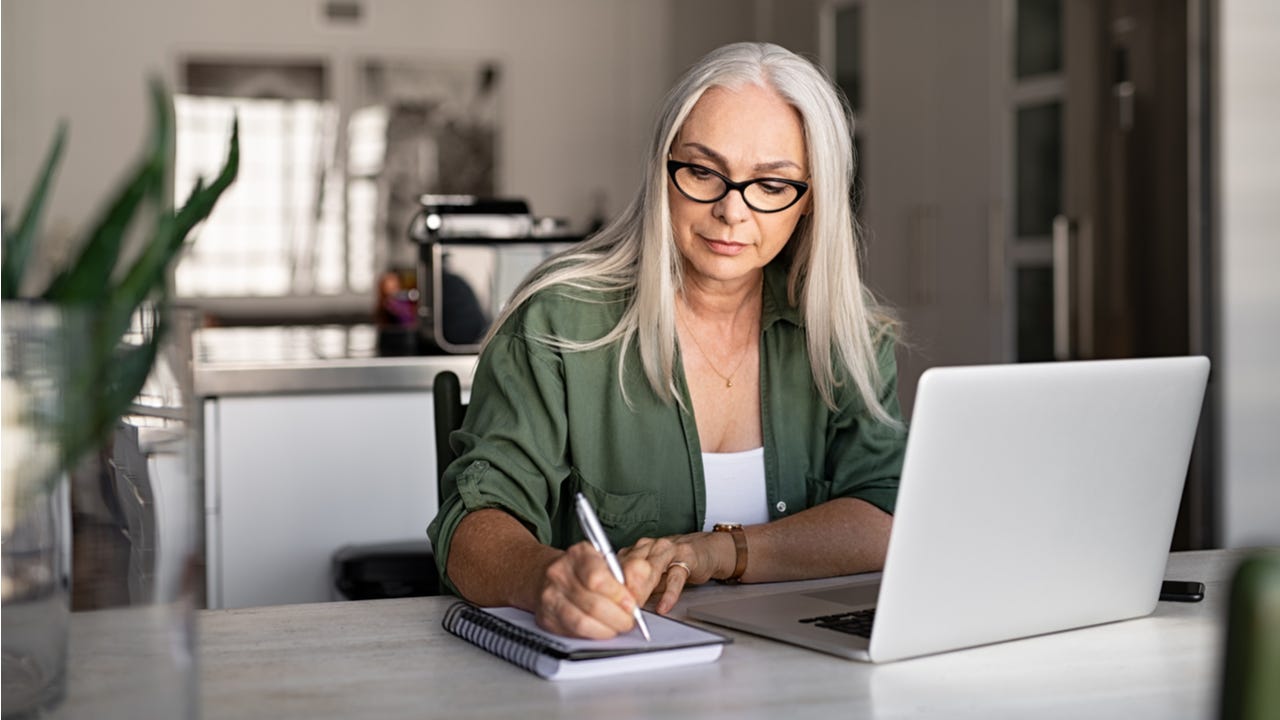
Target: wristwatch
{"type": "Point", "coordinates": [739, 546]}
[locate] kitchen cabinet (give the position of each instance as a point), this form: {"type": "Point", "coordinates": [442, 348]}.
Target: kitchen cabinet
{"type": "Point", "coordinates": [310, 442]}
{"type": "Point", "coordinates": [291, 478]}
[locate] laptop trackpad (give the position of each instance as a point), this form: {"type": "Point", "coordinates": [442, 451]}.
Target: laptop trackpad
{"type": "Point", "coordinates": [861, 595]}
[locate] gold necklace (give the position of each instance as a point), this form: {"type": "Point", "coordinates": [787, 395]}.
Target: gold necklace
{"type": "Point", "coordinates": [742, 354]}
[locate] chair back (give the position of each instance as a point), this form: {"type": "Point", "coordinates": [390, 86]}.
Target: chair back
{"type": "Point", "coordinates": [449, 412]}
{"type": "Point", "coordinates": [403, 569]}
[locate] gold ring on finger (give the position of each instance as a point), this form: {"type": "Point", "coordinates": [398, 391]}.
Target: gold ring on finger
{"type": "Point", "coordinates": [679, 564]}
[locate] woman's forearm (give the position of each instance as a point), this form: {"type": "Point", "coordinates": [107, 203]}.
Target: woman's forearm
{"type": "Point", "coordinates": [839, 537]}
{"type": "Point", "coordinates": [494, 560]}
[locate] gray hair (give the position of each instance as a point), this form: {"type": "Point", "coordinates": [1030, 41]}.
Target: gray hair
{"type": "Point", "coordinates": [636, 253]}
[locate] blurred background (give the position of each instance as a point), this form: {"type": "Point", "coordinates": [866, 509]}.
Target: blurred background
{"type": "Point", "coordinates": [1038, 180]}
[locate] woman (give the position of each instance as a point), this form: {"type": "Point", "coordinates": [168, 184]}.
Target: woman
{"type": "Point", "coordinates": [709, 357]}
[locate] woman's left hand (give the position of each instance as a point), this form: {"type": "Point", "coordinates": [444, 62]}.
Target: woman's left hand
{"type": "Point", "coordinates": [676, 561]}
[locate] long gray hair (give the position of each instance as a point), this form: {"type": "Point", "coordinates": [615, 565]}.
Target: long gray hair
{"type": "Point", "coordinates": [636, 253]}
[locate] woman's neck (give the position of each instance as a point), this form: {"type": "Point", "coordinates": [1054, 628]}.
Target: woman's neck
{"type": "Point", "coordinates": [721, 304]}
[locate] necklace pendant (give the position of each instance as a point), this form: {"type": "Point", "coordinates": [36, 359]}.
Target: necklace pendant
{"type": "Point", "coordinates": [728, 383]}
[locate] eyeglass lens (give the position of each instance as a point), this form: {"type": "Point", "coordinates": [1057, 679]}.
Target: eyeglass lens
{"type": "Point", "coordinates": [704, 186]}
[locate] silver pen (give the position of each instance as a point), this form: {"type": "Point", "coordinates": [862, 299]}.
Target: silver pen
{"type": "Point", "coordinates": [595, 533]}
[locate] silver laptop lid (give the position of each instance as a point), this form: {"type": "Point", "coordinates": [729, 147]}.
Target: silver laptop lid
{"type": "Point", "coordinates": [1035, 498]}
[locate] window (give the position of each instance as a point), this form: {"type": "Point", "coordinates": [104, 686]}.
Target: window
{"type": "Point", "coordinates": [278, 229]}
{"type": "Point", "coordinates": [328, 181]}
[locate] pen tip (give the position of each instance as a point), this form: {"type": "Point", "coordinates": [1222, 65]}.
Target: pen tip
{"type": "Point", "coordinates": [644, 627]}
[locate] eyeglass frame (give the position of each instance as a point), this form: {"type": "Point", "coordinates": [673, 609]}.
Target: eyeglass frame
{"type": "Point", "coordinates": [674, 166]}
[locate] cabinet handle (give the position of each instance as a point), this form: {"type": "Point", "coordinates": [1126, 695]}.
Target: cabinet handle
{"type": "Point", "coordinates": [1063, 232]}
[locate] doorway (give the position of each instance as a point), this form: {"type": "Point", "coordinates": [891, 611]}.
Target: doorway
{"type": "Point", "coordinates": [1027, 182]}
{"type": "Point", "coordinates": [1100, 261]}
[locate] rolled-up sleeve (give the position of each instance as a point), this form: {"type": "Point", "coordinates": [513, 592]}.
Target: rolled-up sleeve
{"type": "Point", "coordinates": [511, 446]}
{"type": "Point", "coordinates": [864, 458]}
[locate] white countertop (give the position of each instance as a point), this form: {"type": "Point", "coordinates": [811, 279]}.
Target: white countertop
{"type": "Point", "coordinates": [310, 359]}
{"type": "Point", "coordinates": [392, 659]}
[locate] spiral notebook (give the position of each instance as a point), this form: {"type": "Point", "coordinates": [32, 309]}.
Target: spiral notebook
{"type": "Point", "coordinates": [512, 634]}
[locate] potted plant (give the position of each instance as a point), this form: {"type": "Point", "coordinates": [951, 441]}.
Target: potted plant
{"type": "Point", "coordinates": [75, 355]}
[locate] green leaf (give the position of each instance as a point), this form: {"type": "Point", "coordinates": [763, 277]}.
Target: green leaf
{"type": "Point", "coordinates": [18, 244]}
{"type": "Point", "coordinates": [88, 280]}
{"type": "Point", "coordinates": [171, 231]}
{"type": "Point", "coordinates": [106, 373]}
{"type": "Point", "coordinates": [163, 139]}
{"type": "Point", "coordinates": [200, 203]}
{"type": "Point", "coordinates": [102, 389]}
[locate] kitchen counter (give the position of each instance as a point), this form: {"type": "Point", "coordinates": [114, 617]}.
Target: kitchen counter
{"type": "Point", "coordinates": [311, 439]}
{"type": "Point", "coordinates": [310, 359]}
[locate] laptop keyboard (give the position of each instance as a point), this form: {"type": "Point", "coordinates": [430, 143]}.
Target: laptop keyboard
{"type": "Point", "coordinates": [857, 622]}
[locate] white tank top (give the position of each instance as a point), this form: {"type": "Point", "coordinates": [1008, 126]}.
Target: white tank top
{"type": "Point", "coordinates": [735, 488]}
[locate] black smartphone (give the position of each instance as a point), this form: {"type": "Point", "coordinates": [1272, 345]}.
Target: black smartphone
{"type": "Point", "coordinates": [1182, 591]}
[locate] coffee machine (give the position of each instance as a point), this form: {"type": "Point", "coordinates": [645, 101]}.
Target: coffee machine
{"type": "Point", "coordinates": [473, 253]}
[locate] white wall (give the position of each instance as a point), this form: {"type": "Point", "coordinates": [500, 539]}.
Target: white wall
{"type": "Point", "coordinates": [1248, 193]}
{"type": "Point", "coordinates": [929, 131]}
{"type": "Point", "coordinates": [581, 82]}
{"type": "Point", "coordinates": [699, 26]}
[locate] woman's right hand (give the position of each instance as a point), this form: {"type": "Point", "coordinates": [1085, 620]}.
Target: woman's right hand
{"type": "Point", "coordinates": [581, 598]}
{"type": "Point", "coordinates": [494, 560]}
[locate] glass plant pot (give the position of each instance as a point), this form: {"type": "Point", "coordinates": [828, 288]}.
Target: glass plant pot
{"type": "Point", "coordinates": [101, 560]}
{"type": "Point", "coordinates": [36, 525]}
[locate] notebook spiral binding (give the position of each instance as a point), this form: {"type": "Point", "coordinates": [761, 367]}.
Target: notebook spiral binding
{"type": "Point", "coordinates": [511, 643]}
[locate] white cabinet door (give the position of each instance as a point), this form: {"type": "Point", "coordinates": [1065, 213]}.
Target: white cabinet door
{"type": "Point", "coordinates": [290, 479]}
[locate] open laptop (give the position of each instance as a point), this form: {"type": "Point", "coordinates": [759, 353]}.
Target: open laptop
{"type": "Point", "coordinates": [1034, 498]}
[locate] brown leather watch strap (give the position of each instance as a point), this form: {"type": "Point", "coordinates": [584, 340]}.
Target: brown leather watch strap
{"type": "Point", "coordinates": [739, 546]}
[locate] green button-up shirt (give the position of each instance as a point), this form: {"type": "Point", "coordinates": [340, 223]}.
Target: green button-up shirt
{"type": "Point", "coordinates": [545, 423]}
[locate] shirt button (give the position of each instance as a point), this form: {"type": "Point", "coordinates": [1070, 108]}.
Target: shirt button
{"type": "Point", "coordinates": [782, 507]}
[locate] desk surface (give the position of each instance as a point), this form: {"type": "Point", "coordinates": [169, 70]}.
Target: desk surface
{"type": "Point", "coordinates": [391, 659]}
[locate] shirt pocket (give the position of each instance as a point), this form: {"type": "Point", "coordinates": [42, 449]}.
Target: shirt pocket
{"type": "Point", "coordinates": [626, 517]}
{"type": "Point", "coordinates": [817, 489]}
